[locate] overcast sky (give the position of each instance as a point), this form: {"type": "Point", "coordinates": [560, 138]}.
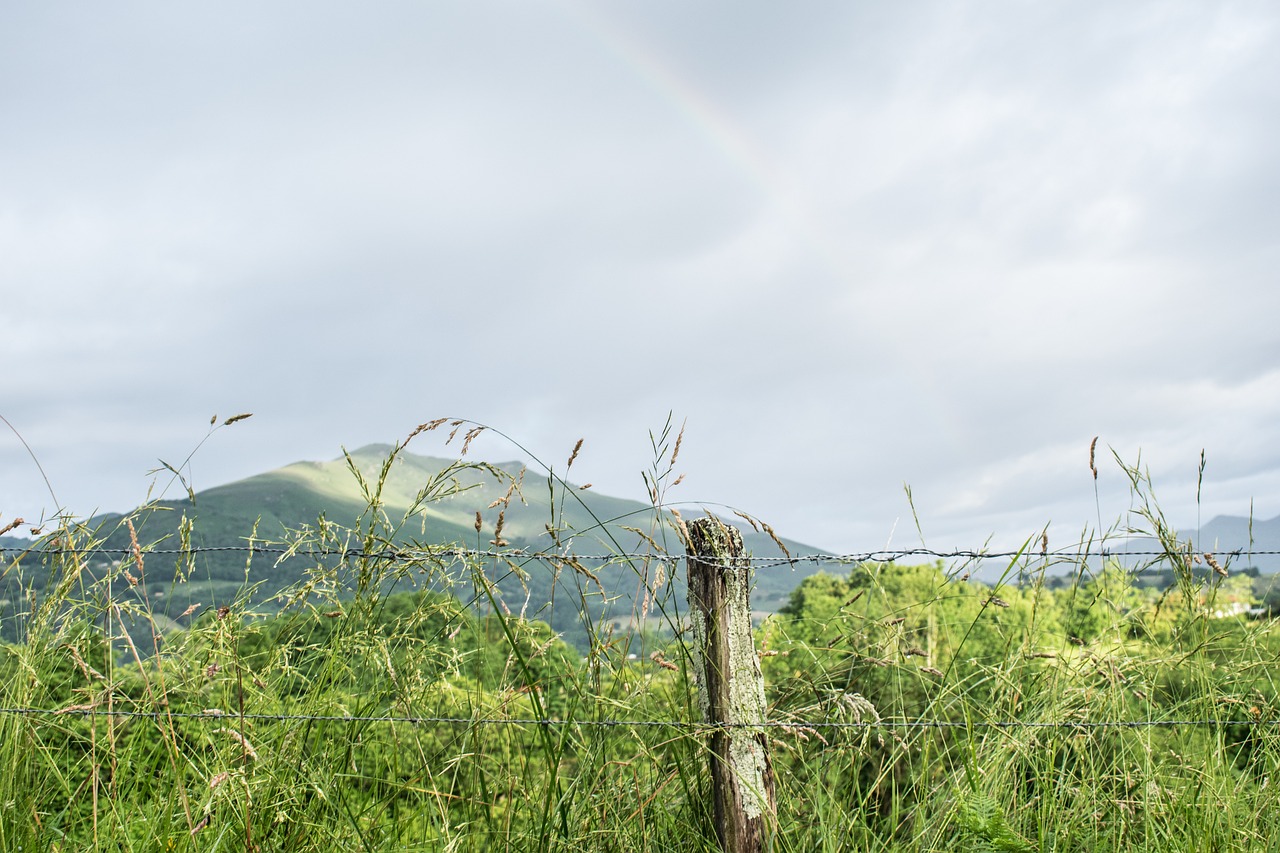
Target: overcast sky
{"type": "Point", "coordinates": [854, 244]}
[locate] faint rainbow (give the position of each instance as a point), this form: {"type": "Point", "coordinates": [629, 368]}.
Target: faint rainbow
{"type": "Point", "coordinates": [712, 123]}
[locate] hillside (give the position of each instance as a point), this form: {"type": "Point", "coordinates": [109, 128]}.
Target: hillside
{"type": "Point", "coordinates": [1225, 534]}
{"type": "Point", "coordinates": [275, 505]}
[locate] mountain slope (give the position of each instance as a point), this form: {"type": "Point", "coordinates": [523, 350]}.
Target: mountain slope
{"type": "Point", "coordinates": [279, 503]}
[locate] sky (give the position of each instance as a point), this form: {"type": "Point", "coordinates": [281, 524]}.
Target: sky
{"type": "Point", "coordinates": [852, 247]}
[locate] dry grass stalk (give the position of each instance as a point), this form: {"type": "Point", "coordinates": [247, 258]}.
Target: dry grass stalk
{"type": "Point", "coordinates": [995, 601]}
{"type": "Point", "coordinates": [661, 660]}
{"type": "Point", "coordinates": [583, 570]}
{"type": "Point", "coordinates": [776, 540]}
{"type": "Point", "coordinates": [1213, 564]}
{"type": "Point", "coordinates": [748, 519]}
{"type": "Point", "coordinates": [584, 487]}
{"type": "Point", "coordinates": [479, 521]}
{"type": "Point", "coordinates": [682, 529]}
{"type": "Point", "coordinates": [574, 454]}
{"type": "Point", "coordinates": [426, 427]}
{"type": "Point", "coordinates": [497, 539]}
{"type": "Point", "coordinates": [643, 535]}
{"type": "Point", "coordinates": [79, 709]}
{"type": "Point", "coordinates": [467, 439]}
{"type": "Point", "coordinates": [17, 522]}
{"type": "Point", "coordinates": [88, 671]}
{"type": "Point", "coordinates": [1093, 446]}
{"type": "Point", "coordinates": [135, 548]}
{"type": "Point", "coordinates": [234, 419]}
{"type": "Point", "coordinates": [240, 739]}
{"type": "Point", "coordinates": [675, 453]}
{"type": "Point", "coordinates": [192, 609]}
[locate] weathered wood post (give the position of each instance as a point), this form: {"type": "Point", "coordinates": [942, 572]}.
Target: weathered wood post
{"type": "Point", "coordinates": [730, 687]}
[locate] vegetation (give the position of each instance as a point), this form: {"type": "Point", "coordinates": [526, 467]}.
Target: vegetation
{"type": "Point", "coordinates": [422, 702]}
{"type": "Point", "coordinates": [273, 510]}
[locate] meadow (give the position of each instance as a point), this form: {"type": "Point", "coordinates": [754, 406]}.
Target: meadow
{"type": "Point", "coordinates": [404, 693]}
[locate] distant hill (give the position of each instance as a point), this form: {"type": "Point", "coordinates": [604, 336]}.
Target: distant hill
{"type": "Point", "coordinates": [279, 503]}
{"type": "Point", "coordinates": [1224, 534]}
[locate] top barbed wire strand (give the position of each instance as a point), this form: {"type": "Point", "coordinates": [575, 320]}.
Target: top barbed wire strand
{"type": "Point", "coordinates": [418, 554]}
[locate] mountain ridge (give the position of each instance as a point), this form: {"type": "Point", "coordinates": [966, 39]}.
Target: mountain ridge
{"type": "Point", "coordinates": [428, 500]}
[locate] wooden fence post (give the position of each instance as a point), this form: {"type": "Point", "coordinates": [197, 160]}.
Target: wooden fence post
{"type": "Point", "coordinates": [730, 687]}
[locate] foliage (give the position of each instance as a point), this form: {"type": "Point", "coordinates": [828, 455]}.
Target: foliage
{"type": "Point", "coordinates": [423, 703]}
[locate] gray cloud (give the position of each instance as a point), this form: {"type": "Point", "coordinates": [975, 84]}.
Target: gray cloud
{"type": "Point", "coordinates": [943, 244]}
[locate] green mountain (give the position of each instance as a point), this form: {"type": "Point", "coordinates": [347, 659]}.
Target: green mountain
{"type": "Point", "coordinates": [540, 515]}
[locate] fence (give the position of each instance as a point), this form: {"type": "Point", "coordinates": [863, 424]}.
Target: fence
{"type": "Point", "coordinates": [844, 709]}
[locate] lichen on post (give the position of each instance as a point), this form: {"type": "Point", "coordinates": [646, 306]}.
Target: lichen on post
{"type": "Point", "coordinates": [730, 685]}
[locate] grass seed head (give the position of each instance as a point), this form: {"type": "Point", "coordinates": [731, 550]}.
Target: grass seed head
{"type": "Point", "coordinates": [675, 453]}
{"type": "Point", "coordinates": [1213, 564]}
{"type": "Point", "coordinates": [574, 454]}
{"type": "Point", "coordinates": [467, 439]}
{"type": "Point", "coordinates": [240, 739]}
{"type": "Point", "coordinates": [769, 530]}
{"type": "Point", "coordinates": [134, 547]}
{"type": "Point", "coordinates": [425, 427]}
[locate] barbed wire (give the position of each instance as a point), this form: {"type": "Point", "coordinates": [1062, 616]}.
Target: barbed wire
{"type": "Point", "coordinates": [215, 715]}
{"type": "Point", "coordinates": [420, 554]}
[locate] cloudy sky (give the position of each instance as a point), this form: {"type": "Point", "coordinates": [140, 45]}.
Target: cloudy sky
{"type": "Point", "coordinates": [853, 244]}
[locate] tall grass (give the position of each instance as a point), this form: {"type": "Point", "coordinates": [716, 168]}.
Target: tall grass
{"type": "Point", "coordinates": [407, 702]}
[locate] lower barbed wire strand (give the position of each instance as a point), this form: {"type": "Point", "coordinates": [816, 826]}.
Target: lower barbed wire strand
{"type": "Point", "coordinates": [675, 724]}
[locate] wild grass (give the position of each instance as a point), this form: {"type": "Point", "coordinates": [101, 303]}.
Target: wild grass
{"type": "Point", "coordinates": [400, 695]}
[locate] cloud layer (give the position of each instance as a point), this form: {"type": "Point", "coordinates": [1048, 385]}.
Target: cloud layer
{"type": "Point", "coordinates": [943, 244]}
